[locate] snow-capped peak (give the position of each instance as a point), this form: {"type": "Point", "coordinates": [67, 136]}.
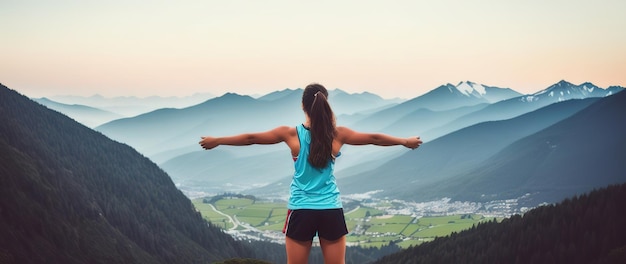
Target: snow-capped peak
{"type": "Point", "coordinates": [468, 88]}
{"type": "Point", "coordinates": [564, 90]}
{"type": "Point", "coordinates": [589, 87]}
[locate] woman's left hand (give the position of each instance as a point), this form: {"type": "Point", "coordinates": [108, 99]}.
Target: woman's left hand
{"type": "Point", "coordinates": [413, 142]}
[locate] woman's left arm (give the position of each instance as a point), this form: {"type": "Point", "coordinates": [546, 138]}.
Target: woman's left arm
{"type": "Point", "coordinates": [351, 137]}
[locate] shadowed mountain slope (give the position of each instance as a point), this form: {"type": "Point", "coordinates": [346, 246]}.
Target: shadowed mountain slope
{"type": "Point", "coordinates": [436, 169]}
{"type": "Point", "coordinates": [576, 155]}
{"type": "Point", "coordinates": [69, 194]}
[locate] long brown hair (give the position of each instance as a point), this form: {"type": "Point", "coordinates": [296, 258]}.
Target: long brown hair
{"type": "Point", "coordinates": [315, 104]}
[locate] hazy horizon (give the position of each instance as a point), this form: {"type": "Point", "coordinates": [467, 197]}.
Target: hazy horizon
{"type": "Point", "coordinates": [395, 49]}
{"type": "Point", "coordinates": [257, 95]}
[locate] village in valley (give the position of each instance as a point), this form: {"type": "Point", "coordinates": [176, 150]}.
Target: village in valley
{"type": "Point", "coordinates": [371, 221]}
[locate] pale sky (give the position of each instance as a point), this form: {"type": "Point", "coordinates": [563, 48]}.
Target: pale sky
{"type": "Point", "coordinates": [391, 48]}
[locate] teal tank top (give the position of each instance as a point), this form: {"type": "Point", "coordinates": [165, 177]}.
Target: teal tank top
{"type": "Point", "coordinates": [312, 188]}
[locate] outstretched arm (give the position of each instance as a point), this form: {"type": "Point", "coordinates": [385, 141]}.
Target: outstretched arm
{"type": "Point", "coordinates": [274, 136]}
{"type": "Point", "coordinates": [351, 137]}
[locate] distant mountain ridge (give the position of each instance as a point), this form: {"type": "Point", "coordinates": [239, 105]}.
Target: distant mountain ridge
{"type": "Point", "coordinates": [437, 107]}
{"type": "Point", "coordinates": [128, 106]}
{"type": "Point", "coordinates": [342, 101]}
{"type": "Point", "coordinates": [564, 90]}
{"type": "Point", "coordinates": [490, 93]}
{"type": "Point", "coordinates": [516, 106]}
{"type": "Point", "coordinates": [161, 130]}
{"type": "Point", "coordinates": [87, 115]}
{"type": "Point", "coordinates": [466, 93]}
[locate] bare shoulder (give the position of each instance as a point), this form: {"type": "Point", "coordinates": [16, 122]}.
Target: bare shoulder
{"type": "Point", "coordinates": [286, 131]}
{"type": "Point", "coordinates": [289, 134]}
{"type": "Point", "coordinates": [344, 132]}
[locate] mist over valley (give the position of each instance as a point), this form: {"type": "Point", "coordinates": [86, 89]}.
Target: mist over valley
{"type": "Point", "coordinates": [465, 127]}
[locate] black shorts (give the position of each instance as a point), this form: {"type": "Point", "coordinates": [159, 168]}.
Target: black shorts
{"type": "Point", "coordinates": [303, 224]}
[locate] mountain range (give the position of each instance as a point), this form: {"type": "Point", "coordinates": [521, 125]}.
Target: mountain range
{"type": "Point", "coordinates": [516, 106]}
{"type": "Point", "coordinates": [161, 131]}
{"type": "Point", "coordinates": [565, 148]}
{"type": "Point", "coordinates": [466, 93]}
{"type": "Point", "coordinates": [464, 127]}
{"type": "Point", "coordinates": [128, 106]}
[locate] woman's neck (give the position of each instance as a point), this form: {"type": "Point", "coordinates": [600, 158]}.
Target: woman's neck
{"type": "Point", "coordinates": [307, 121]}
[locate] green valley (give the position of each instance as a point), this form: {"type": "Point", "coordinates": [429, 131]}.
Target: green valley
{"type": "Point", "coordinates": [370, 226]}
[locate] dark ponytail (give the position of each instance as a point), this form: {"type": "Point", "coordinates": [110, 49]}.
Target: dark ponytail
{"type": "Point", "coordinates": [315, 104]}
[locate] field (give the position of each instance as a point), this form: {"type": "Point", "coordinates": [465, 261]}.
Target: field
{"type": "Point", "coordinates": [369, 227]}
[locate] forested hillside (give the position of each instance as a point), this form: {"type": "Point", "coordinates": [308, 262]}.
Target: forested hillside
{"type": "Point", "coordinates": [69, 194]}
{"type": "Point", "coordinates": [584, 229]}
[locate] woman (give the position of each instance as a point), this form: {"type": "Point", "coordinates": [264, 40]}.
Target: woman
{"type": "Point", "coordinates": [314, 205]}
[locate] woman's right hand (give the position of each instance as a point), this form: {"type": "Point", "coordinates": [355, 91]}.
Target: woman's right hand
{"type": "Point", "coordinates": [208, 142]}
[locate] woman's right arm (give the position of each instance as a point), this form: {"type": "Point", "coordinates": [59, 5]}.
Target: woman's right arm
{"type": "Point", "coordinates": [351, 137]}
{"type": "Point", "coordinates": [276, 135]}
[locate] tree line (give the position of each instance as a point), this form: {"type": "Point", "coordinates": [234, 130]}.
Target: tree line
{"type": "Point", "coordinates": [587, 228]}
